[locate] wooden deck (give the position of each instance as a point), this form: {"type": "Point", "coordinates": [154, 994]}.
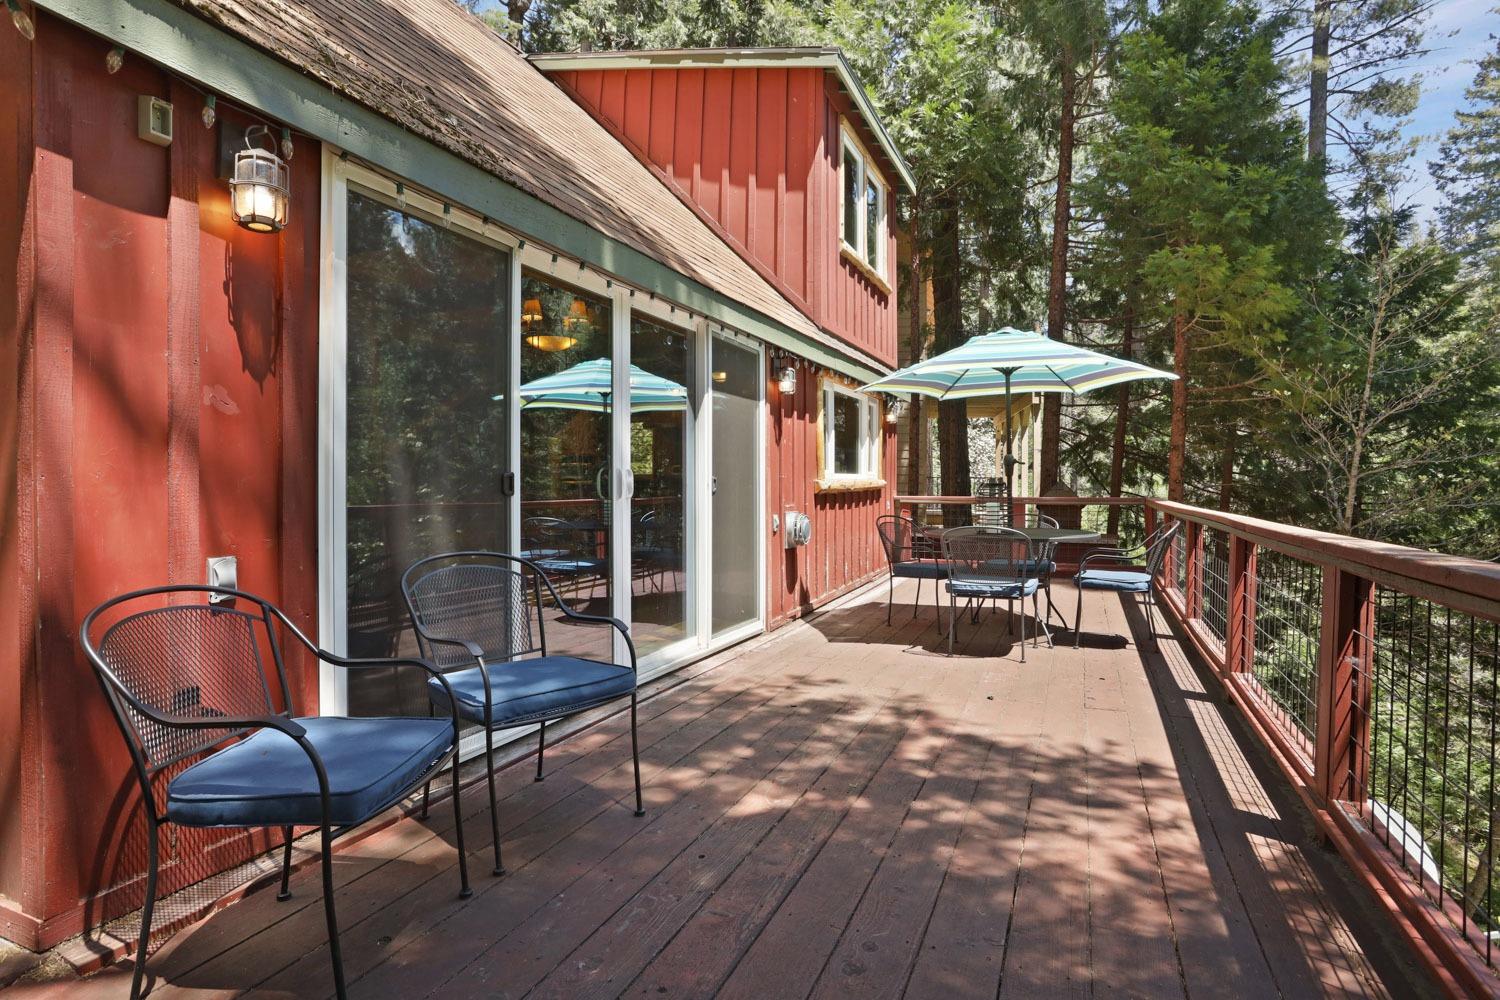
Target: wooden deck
{"type": "Point", "coordinates": [838, 810]}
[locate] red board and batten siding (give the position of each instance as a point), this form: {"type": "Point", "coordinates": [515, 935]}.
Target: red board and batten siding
{"type": "Point", "coordinates": [756, 152]}
{"type": "Point", "coordinates": [845, 551]}
{"type": "Point", "coordinates": [159, 349]}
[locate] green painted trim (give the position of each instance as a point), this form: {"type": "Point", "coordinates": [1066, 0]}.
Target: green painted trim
{"type": "Point", "coordinates": [193, 48]}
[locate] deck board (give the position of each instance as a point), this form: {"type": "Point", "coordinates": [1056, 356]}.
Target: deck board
{"type": "Point", "coordinates": [840, 810]}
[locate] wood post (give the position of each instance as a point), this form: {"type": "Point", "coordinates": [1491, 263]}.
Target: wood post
{"type": "Point", "coordinates": [1341, 753]}
{"type": "Point", "coordinates": [1193, 549]}
{"type": "Point", "coordinates": [1239, 641]}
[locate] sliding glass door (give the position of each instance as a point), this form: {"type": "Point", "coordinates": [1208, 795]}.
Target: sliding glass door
{"type": "Point", "coordinates": [425, 422]}
{"type": "Point", "coordinates": [736, 486]}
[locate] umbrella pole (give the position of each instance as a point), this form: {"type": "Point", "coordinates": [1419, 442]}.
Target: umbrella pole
{"type": "Point", "coordinates": [1009, 459]}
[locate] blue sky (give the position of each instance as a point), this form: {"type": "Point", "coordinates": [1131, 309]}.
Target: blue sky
{"type": "Point", "coordinates": [1446, 72]}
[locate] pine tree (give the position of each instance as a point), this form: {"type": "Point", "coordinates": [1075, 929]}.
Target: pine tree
{"type": "Point", "coordinates": [1467, 170]}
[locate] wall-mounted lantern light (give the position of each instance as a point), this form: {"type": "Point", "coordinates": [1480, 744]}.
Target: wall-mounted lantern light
{"type": "Point", "coordinates": [21, 20]}
{"type": "Point", "coordinates": [895, 410]}
{"type": "Point", "coordinates": [261, 185]}
{"type": "Point", "coordinates": [786, 381]}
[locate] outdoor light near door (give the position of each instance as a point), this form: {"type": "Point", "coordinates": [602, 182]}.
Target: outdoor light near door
{"type": "Point", "coordinates": [787, 380]}
{"type": "Point", "coordinates": [721, 376]}
{"type": "Point", "coordinates": [895, 410]}
{"type": "Point", "coordinates": [261, 186]}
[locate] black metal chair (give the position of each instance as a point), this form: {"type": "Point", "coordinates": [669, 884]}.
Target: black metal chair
{"type": "Point", "coordinates": [1129, 575]}
{"type": "Point", "coordinates": [908, 555]}
{"type": "Point", "coordinates": [476, 614]}
{"type": "Point", "coordinates": [991, 564]}
{"type": "Point", "coordinates": [184, 669]}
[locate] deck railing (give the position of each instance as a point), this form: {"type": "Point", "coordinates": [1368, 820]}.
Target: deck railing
{"type": "Point", "coordinates": [1370, 671]}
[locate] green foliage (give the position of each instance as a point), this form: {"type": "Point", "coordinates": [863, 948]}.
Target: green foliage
{"type": "Point", "coordinates": [1468, 168]}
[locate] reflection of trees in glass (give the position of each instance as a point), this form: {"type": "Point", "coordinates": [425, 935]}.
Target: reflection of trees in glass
{"type": "Point", "coordinates": [425, 443]}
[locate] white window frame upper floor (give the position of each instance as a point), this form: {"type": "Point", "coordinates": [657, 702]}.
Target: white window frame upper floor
{"type": "Point", "coordinates": [871, 260]}
{"type": "Point", "coordinates": [870, 445]}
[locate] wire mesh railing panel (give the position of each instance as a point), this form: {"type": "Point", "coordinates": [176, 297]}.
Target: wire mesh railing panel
{"type": "Point", "coordinates": [1179, 562]}
{"type": "Point", "coordinates": [1288, 622]}
{"type": "Point", "coordinates": [1431, 755]}
{"type": "Point", "coordinates": [1215, 583]}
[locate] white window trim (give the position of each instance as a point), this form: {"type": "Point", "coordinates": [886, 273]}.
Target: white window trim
{"type": "Point", "coordinates": [873, 260]}
{"type": "Point", "coordinates": [870, 440]}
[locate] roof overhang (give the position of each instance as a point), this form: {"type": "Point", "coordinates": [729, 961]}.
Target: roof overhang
{"type": "Point", "coordinates": [828, 59]}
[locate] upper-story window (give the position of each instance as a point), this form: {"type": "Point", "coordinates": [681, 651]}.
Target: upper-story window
{"type": "Point", "coordinates": [851, 434]}
{"type": "Point", "coordinates": [864, 200]}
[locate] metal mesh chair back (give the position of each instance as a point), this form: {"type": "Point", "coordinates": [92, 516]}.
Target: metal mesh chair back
{"type": "Point", "coordinates": [194, 661]}
{"type": "Point", "coordinates": [896, 536]}
{"type": "Point", "coordinates": [479, 600]}
{"type": "Point", "coordinates": [981, 556]}
{"type": "Point", "coordinates": [1156, 549]}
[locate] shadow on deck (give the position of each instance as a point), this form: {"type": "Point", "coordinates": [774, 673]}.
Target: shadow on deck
{"type": "Point", "coordinates": [838, 809]}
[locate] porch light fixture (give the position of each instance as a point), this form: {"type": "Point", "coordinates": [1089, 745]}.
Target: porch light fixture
{"type": "Point", "coordinates": [895, 411]}
{"type": "Point", "coordinates": [786, 381]}
{"type": "Point", "coordinates": [21, 20]}
{"type": "Point", "coordinates": [261, 187]}
{"type": "Point", "coordinates": [721, 376]}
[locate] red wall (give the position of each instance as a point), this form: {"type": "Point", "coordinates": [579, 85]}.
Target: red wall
{"type": "Point", "coordinates": [756, 152]}
{"type": "Point", "coordinates": [162, 413]}
{"type": "Point", "coordinates": [845, 550]}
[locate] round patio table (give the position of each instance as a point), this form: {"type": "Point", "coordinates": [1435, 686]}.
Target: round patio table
{"type": "Point", "coordinates": [1062, 536]}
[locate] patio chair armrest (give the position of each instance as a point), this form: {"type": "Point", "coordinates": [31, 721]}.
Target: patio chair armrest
{"type": "Point", "coordinates": [469, 646]}
{"type": "Point", "coordinates": [277, 722]}
{"type": "Point", "coordinates": [579, 616]}
{"type": "Point", "coordinates": [1123, 556]}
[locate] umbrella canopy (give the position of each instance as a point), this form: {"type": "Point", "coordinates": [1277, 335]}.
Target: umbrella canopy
{"type": "Point", "coordinates": [589, 384]}
{"type": "Point", "coordinates": [1008, 360]}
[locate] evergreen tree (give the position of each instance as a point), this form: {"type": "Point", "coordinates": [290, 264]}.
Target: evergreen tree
{"type": "Point", "coordinates": [1467, 169]}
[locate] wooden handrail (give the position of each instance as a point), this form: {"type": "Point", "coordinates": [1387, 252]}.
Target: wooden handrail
{"type": "Point", "coordinates": [1468, 585]}
{"type": "Point", "coordinates": [1033, 501]}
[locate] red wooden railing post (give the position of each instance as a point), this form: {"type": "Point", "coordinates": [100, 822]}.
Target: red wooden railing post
{"type": "Point", "coordinates": [1239, 641]}
{"type": "Point", "coordinates": [1341, 754]}
{"type": "Point", "coordinates": [1193, 552]}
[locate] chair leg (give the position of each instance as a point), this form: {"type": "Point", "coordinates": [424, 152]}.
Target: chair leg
{"type": "Point", "coordinates": [952, 620]}
{"type": "Point", "coordinates": [286, 866]}
{"type": "Point", "coordinates": [139, 975]}
{"type": "Point", "coordinates": [890, 595]}
{"type": "Point", "coordinates": [426, 794]}
{"type": "Point", "coordinates": [334, 952]}
{"type": "Point", "coordinates": [635, 757]}
{"type": "Point", "coordinates": [464, 891]}
{"type": "Point", "coordinates": [1078, 618]}
{"type": "Point", "coordinates": [489, 767]}
{"type": "Point", "coordinates": [541, 748]}
{"type": "Point", "coordinates": [1042, 620]}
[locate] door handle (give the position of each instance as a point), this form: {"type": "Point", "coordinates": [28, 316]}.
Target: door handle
{"type": "Point", "coordinates": [599, 488]}
{"type": "Point", "coordinates": [508, 484]}
{"type": "Point", "coordinates": [713, 488]}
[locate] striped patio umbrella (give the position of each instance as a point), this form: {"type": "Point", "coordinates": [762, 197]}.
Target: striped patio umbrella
{"type": "Point", "coordinates": [1008, 360]}
{"type": "Point", "coordinates": [588, 386]}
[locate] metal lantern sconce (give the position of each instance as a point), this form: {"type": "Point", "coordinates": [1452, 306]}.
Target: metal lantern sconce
{"type": "Point", "coordinates": [260, 189]}
{"type": "Point", "coordinates": [786, 380]}
{"type": "Point", "coordinates": [895, 411]}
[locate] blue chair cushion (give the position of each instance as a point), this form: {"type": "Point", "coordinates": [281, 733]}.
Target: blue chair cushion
{"type": "Point", "coordinates": [529, 689]}
{"type": "Point", "coordinates": [1004, 590]}
{"type": "Point", "coordinates": [921, 569]}
{"type": "Point", "coordinates": [1126, 581]}
{"type": "Point", "coordinates": [267, 779]}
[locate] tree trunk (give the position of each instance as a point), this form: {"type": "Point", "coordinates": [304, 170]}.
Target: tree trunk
{"type": "Point", "coordinates": [947, 328]}
{"type": "Point", "coordinates": [918, 469]}
{"type": "Point", "coordinates": [1122, 419]}
{"type": "Point", "coordinates": [1177, 451]}
{"type": "Point", "coordinates": [1317, 97]}
{"type": "Point", "coordinates": [1057, 282]}
{"type": "Point", "coordinates": [1226, 469]}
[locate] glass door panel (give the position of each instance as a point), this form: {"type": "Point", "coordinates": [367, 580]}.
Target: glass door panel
{"type": "Point", "coordinates": [566, 470]}
{"type": "Point", "coordinates": [735, 566]}
{"type": "Point", "coordinates": [425, 423]}
{"type": "Point", "coordinates": [660, 439]}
